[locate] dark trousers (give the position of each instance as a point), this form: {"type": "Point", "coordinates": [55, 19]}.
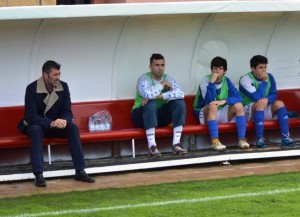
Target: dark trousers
{"type": "Point", "coordinates": [149, 116]}
{"type": "Point", "coordinates": [71, 133]}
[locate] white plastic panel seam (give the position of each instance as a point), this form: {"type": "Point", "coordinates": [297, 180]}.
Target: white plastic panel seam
{"type": "Point", "coordinates": [117, 58]}
{"type": "Point", "coordinates": [35, 72]}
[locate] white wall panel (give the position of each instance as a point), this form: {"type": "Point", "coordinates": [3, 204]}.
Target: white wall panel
{"type": "Point", "coordinates": [102, 56]}
{"type": "Point", "coordinates": [173, 36]}
{"type": "Point", "coordinates": [86, 49]}
{"type": "Point", "coordinates": [16, 42]}
{"type": "Point", "coordinates": [284, 52]}
{"type": "Point", "coordinates": [236, 37]}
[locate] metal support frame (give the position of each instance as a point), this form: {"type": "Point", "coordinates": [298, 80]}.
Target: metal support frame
{"type": "Point", "coordinates": [133, 148]}
{"type": "Point", "coordinates": [49, 154]}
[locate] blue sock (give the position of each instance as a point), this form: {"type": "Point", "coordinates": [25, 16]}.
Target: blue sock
{"type": "Point", "coordinates": [213, 128]}
{"type": "Point", "coordinates": [241, 126]}
{"type": "Point", "coordinates": [283, 120]}
{"type": "Point", "coordinates": [259, 123]}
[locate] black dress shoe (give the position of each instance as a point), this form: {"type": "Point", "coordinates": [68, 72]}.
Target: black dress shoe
{"type": "Point", "coordinates": [83, 177]}
{"type": "Point", "coordinates": [39, 180]}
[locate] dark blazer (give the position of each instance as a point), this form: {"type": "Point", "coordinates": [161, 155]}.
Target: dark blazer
{"type": "Point", "coordinates": [42, 107]}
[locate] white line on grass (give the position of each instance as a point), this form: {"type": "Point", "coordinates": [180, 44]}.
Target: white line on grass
{"type": "Point", "coordinates": [163, 203]}
{"type": "Point", "coordinates": [263, 166]}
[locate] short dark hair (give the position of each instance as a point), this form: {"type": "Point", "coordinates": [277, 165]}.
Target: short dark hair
{"type": "Point", "coordinates": [258, 59]}
{"type": "Point", "coordinates": [50, 64]}
{"type": "Point", "coordinates": [218, 62]}
{"type": "Point", "coordinates": [156, 56]}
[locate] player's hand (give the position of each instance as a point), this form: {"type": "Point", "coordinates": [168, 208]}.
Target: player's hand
{"type": "Point", "coordinates": [218, 102]}
{"type": "Point", "coordinates": [262, 103]}
{"type": "Point", "coordinates": [58, 123]}
{"type": "Point", "coordinates": [263, 76]}
{"type": "Point", "coordinates": [144, 102]}
{"type": "Point", "coordinates": [167, 85]}
{"type": "Point", "coordinates": [214, 77]}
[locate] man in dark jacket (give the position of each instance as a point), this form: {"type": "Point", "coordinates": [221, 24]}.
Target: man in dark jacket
{"type": "Point", "coordinates": [48, 114]}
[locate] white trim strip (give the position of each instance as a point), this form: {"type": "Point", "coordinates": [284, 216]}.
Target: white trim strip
{"type": "Point", "coordinates": [158, 164]}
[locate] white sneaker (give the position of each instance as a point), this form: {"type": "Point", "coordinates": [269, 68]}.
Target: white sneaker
{"type": "Point", "coordinates": [217, 145]}
{"type": "Point", "coordinates": [243, 144]}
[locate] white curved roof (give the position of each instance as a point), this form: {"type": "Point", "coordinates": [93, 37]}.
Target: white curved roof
{"type": "Point", "coordinates": [136, 9]}
{"type": "Point", "coordinates": [103, 49]}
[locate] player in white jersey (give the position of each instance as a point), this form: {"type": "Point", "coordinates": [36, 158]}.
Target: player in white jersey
{"type": "Point", "coordinates": [159, 102]}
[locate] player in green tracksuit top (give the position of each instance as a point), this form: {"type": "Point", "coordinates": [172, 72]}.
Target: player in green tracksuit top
{"type": "Point", "coordinates": [159, 102]}
{"type": "Point", "coordinates": [218, 101]}
{"type": "Point", "coordinates": [259, 93]}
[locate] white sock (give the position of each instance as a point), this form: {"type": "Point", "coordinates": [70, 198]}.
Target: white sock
{"type": "Point", "coordinates": [177, 134]}
{"type": "Point", "coordinates": [151, 137]}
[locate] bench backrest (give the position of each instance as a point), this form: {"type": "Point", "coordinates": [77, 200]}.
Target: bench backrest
{"type": "Point", "coordinates": [120, 111]}
{"type": "Point", "coordinates": [9, 119]}
{"type": "Point", "coordinates": [291, 98]}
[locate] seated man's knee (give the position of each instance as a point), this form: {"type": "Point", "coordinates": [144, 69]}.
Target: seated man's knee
{"type": "Point", "coordinates": [150, 105]}
{"type": "Point", "coordinates": [278, 104]}
{"type": "Point", "coordinates": [179, 103]}
{"type": "Point", "coordinates": [33, 130]}
{"type": "Point", "coordinates": [72, 126]}
{"type": "Point", "coordinates": [258, 107]}
{"type": "Point", "coordinates": [212, 108]}
{"type": "Point", "coordinates": [71, 130]}
{"type": "Point", "coordinates": [238, 107]}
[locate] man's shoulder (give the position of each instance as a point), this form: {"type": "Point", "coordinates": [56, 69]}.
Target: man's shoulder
{"type": "Point", "coordinates": [270, 75]}
{"type": "Point", "coordinates": [143, 76]}
{"type": "Point", "coordinates": [205, 78]}
{"type": "Point", "coordinates": [168, 77]}
{"type": "Point", "coordinates": [245, 77]}
{"type": "Point", "coordinates": [32, 84]}
{"type": "Point", "coordinates": [228, 81]}
{"type": "Point", "coordinates": [227, 78]}
{"type": "Point", "coordinates": [64, 83]}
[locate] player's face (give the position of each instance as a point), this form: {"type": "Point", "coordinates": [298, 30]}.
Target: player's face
{"type": "Point", "coordinates": [157, 68]}
{"type": "Point", "coordinates": [219, 70]}
{"type": "Point", "coordinates": [260, 70]}
{"type": "Point", "coordinates": [52, 78]}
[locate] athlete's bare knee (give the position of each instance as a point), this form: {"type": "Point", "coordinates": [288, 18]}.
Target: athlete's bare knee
{"type": "Point", "coordinates": [212, 108]}
{"type": "Point", "coordinates": [239, 109]}
{"type": "Point", "coordinates": [258, 107]}
{"type": "Point", "coordinates": [277, 104]}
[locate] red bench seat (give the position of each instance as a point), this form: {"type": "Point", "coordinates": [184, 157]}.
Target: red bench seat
{"type": "Point", "coordinates": [122, 128]}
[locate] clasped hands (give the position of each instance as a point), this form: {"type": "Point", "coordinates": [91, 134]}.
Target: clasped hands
{"type": "Point", "coordinates": [166, 85]}
{"type": "Point", "coordinates": [262, 103]}
{"type": "Point", "coordinates": [218, 102]}
{"type": "Point", "coordinates": [58, 123]}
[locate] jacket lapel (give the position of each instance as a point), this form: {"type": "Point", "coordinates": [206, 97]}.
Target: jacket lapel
{"type": "Point", "coordinates": [52, 97]}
